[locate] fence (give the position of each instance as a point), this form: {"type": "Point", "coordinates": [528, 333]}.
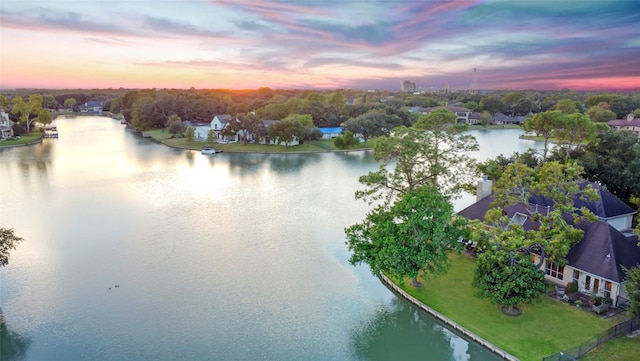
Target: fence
{"type": "Point", "coordinates": [577, 352]}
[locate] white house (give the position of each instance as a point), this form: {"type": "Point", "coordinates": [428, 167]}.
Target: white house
{"type": "Point", "coordinates": [597, 262]}
{"type": "Point", "coordinates": [200, 130]}
{"type": "Point", "coordinates": [462, 114]}
{"type": "Point", "coordinates": [6, 126]}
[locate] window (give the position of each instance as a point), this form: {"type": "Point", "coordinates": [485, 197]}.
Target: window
{"type": "Point", "coordinates": [518, 218]}
{"type": "Point", "coordinates": [607, 289]}
{"type": "Point", "coordinates": [554, 270]}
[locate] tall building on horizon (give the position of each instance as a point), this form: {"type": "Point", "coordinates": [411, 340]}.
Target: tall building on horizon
{"type": "Point", "coordinates": [473, 89]}
{"type": "Point", "coordinates": [408, 86]}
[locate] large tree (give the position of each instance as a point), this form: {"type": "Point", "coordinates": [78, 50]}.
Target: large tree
{"type": "Point", "coordinates": [544, 125]}
{"type": "Point", "coordinates": [435, 152]}
{"type": "Point", "coordinates": [28, 110]}
{"type": "Point", "coordinates": [614, 162]}
{"type": "Point", "coordinates": [574, 131]}
{"type": "Point", "coordinates": [506, 275]}
{"type": "Point", "coordinates": [415, 234]}
{"type": "Point", "coordinates": [373, 123]}
{"type": "Point", "coordinates": [632, 288]}
{"type": "Point", "coordinates": [8, 241]}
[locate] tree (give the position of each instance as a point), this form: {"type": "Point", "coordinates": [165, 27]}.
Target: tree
{"type": "Point", "coordinates": [435, 151]}
{"type": "Point", "coordinates": [506, 275]}
{"type": "Point", "coordinates": [8, 241]}
{"type": "Point", "coordinates": [485, 118]}
{"type": "Point", "coordinates": [190, 133]}
{"type": "Point", "coordinates": [69, 103]}
{"type": "Point", "coordinates": [49, 102]}
{"type": "Point", "coordinates": [27, 109]}
{"type": "Point", "coordinates": [614, 162]}
{"type": "Point", "coordinates": [492, 104]}
{"type": "Point", "coordinates": [559, 182]}
{"type": "Point", "coordinates": [632, 288]}
{"type": "Point", "coordinates": [573, 131]}
{"type": "Point", "coordinates": [568, 106]}
{"type": "Point", "coordinates": [175, 125]}
{"type": "Point", "coordinates": [373, 123]}
{"type": "Point", "coordinates": [544, 125]}
{"type": "Point", "coordinates": [286, 130]}
{"type": "Point", "coordinates": [600, 113]}
{"type": "Point", "coordinates": [415, 234]}
{"type": "Point", "coordinates": [4, 103]}
{"type": "Point", "coordinates": [346, 141]}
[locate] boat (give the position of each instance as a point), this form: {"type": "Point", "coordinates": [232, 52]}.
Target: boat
{"type": "Point", "coordinates": [208, 150]}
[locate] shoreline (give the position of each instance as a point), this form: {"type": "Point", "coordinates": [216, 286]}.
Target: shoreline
{"type": "Point", "coordinates": [447, 321]}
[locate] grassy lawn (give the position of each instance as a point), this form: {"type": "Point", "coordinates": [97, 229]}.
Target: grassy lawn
{"type": "Point", "coordinates": [24, 139]}
{"type": "Point", "coordinates": [165, 137]}
{"type": "Point", "coordinates": [622, 348]}
{"type": "Point", "coordinates": [546, 326]}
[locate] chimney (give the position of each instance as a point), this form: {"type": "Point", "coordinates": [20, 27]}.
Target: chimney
{"type": "Point", "coordinates": [484, 188]}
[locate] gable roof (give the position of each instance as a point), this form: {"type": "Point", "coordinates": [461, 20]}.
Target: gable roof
{"type": "Point", "coordinates": [624, 122]}
{"type": "Point", "coordinates": [223, 118]}
{"type": "Point", "coordinates": [603, 250]}
{"type": "Point", "coordinates": [607, 206]}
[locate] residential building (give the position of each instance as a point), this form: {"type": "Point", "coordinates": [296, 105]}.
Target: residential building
{"type": "Point", "coordinates": [462, 113]}
{"type": "Point", "coordinates": [630, 123]}
{"type": "Point", "coordinates": [6, 126]}
{"type": "Point", "coordinates": [597, 262]}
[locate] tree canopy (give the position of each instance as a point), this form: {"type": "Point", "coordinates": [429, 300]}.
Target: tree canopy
{"type": "Point", "coordinates": [505, 274]}
{"type": "Point", "coordinates": [8, 242]}
{"type": "Point", "coordinates": [413, 235]}
{"type": "Point", "coordinates": [435, 151]}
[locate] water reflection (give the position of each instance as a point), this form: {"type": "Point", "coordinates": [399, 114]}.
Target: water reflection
{"type": "Point", "coordinates": [13, 346]}
{"type": "Point", "coordinates": [399, 331]}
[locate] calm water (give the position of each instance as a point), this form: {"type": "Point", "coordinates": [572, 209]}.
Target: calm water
{"type": "Point", "coordinates": [229, 257]}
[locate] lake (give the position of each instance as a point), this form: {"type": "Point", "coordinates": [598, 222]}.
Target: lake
{"type": "Point", "coordinates": [137, 251]}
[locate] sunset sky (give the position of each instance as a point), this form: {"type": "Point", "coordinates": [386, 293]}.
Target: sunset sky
{"type": "Point", "coordinates": [361, 44]}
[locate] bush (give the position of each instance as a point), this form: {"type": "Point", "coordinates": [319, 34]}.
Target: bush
{"type": "Point", "coordinates": [572, 287]}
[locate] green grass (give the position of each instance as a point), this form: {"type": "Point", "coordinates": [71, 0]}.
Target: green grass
{"type": "Point", "coordinates": [24, 139]}
{"type": "Point", "coordinates": [322, 145]}
{"type": "Point", "coordinates": [546, 326]}
{"type": "Point", "coordinates": [622, 348]}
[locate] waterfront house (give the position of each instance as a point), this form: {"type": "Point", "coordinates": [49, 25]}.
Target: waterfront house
{"type": "Point", "coordinates": [91, 106]}
{"type": "Point", "coordinates": [200, 130]}
{"type": "Point", "coordinates": [6, 126]}
{"type": "Point", "coordinates": [630, 123]}
{"type": "Point", "coordinates": [462, 114]}
{"type": "Point", "coordinates": [596, 263]}
{"type": "Point", "coordinates": [502, 119]}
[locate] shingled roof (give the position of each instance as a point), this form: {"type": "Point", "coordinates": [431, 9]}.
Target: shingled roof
{"type": "Point", "coordinates": [603, 250]}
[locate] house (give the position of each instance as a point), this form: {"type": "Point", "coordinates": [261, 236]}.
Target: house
{"type": "Point", "coordinates": [6, 126]}
{"type": "Point", "coordinates": [596, 263]}
{"type": "Point", "coordinates": [218, 123]}
{"type": "Point", "coordinates": [200, 130]}
{"type": "Point", "coordinates": [91, 106]}
{"type": "Point", "coordinates": [462, 114]}
{"type": "Point", "coordinates": [502, 119]}
{"type": "Point", "coordinates": [630, 123]}
{"type": "Point", "coordinates": [274, 141]}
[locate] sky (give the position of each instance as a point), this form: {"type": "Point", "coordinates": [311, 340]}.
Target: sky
{"type": "Point", "coordinates": [321, 44]}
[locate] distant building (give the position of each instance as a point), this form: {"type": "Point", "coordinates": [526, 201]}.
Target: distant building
{"type": "Point", "coordinates": [408, 86]}
{"type": "Point", "coordinates": [630, 123]}
{"type": "Point", "coordinates": [6, 126]}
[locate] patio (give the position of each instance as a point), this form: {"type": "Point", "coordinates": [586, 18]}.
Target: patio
{"type": "Point", "coordinates": [582, 301]}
